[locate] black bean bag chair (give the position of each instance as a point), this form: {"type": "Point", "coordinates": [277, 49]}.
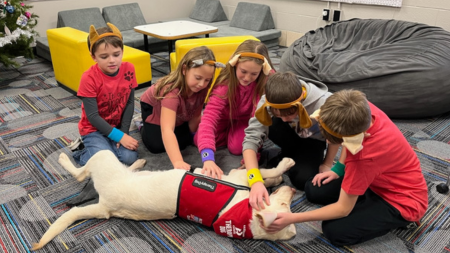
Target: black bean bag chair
{"type": "Point", "coordinates": [402, 67]}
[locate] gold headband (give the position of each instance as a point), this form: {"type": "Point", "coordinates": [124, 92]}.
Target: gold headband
{"type": "Point", "coordinates": [266, 66]}
{"type": "Point", "coordinates": [352, 142]}
{"type": "Point", "coordinates": [263, 115]}
{"type": "Point", "coordinates": [94, 37]}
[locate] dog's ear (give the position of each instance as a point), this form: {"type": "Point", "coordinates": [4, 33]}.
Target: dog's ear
{"type": "Point", "coordinates": [266, 218]}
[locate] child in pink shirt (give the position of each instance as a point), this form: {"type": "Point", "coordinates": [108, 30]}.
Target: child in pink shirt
{"type": "Point", "coordinates": [171, 108]}
{"type": "Point", "coordinates": [232, 103]}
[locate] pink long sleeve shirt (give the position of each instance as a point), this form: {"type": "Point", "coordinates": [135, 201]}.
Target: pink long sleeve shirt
{"type": "Point", "coordinates": [216, 115]}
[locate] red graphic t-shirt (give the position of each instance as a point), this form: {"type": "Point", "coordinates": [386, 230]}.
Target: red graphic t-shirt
{"type": "Point", "coordinates": [112, 93]}
{"type": "Point", "coordinates": [389, 167]}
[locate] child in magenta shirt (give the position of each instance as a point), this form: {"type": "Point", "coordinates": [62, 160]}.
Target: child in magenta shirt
{"type": "Point", "coordinates": [232, 103]}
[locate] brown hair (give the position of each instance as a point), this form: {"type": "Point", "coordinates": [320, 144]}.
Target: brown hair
{"type": "Point", "coordinates": [176, 79]}
{"type": "Point", "coordinates": [108, 40]}
{"type": "Point", "coordinates": [281, 88]}
{"type": "Point", "coordinates": [228, 77]}
{"type": "Point", "coordinates": [346, 112]}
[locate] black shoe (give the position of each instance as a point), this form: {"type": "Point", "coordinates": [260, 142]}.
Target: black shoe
{"type": "Point", "coordinates": [86, 195]}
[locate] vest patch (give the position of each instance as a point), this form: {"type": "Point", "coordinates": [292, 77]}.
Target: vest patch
{"type": "Point", "coordinates": [200, 199]}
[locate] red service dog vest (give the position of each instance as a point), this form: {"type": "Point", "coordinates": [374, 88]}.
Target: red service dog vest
{"type": "Point", "coordinates": [235, 222]}
{"type": "Point", "coordinates": [200, 199]}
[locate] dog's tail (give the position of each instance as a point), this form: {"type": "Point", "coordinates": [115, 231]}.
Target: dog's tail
{"type": "Point", "coordinates": [74, 214]}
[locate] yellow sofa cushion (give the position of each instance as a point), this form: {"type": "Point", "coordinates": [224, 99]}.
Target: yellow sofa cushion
{"type": "Point", "coordinates": [222, 47]}
{"type": "Point", "coordinates": [70, 57]}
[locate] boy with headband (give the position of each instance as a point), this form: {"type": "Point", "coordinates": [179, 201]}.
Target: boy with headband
{"type": "Point", "coordinates": [282, 116]}
{"type": "Point", "coordinates": [107, 92]}
{"type": "Point", "coordinates": [379, 186]}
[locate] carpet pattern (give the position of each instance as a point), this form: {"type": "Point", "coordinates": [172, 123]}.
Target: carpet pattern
{"type": "Point", "coordinates": [38, 120]}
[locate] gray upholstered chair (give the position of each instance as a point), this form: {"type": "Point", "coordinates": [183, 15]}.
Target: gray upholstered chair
{"type": "Point", "coordinates": [209, 11]}
{"type": "Point", "coordinates": [80, 19]}
{"type": "Point", "coordinates": [126, 17]}
{"type": "Point", "coordinates": [251, 19]}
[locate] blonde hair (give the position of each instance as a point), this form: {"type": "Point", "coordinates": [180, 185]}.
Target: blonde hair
{"type": "Point", "coordinates": [281, 88]}
{"type": "Point", "coordinates": [346, 112]}
{"type": "Point", "coordinates": [176, 78]}
{"type": "Point", "coordinates": [108, 40]}
{"type": "Point", "coordinates": [228, 77]}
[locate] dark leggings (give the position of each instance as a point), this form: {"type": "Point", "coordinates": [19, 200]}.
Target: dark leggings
{"type": "Point", "coordinates": [151, 133]}
{"type": "Point", "coordinates": [371, 217]}
{"type": "Point", "coordinates": [307, 153]}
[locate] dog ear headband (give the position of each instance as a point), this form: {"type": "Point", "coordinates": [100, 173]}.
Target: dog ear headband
{"type": "Point", "coordinates": [200, 62]}
{"type": "Point", "coordinates": [94, 37]}
{"type": "Point", "coordinates": [352, 142]}
{"type": "Point", "coordinates": [263, 115]}
{"type": "Point", "coordinates": [266, 66]}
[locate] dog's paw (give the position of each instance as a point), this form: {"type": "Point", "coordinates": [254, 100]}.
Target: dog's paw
{"type": "Point", "coordinates": [63, 158]}
{"type": "Point", "coordinates": [286, 163]}
{"type": "Point", "coordinates": [140, 163]}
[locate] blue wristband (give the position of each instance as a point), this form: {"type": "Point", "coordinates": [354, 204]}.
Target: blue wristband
{"type": "Point", "coordinates": [207, 155]}
{"type": "Point", "coordinates": [339, 169]}
{"type": "Point", "coordinates": [116, 135]}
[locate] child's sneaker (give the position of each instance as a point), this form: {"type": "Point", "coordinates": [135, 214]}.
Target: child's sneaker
{"type": "Point", "coordinates": [138, 122]}
{"type": "Point", "coordinates": [76, 144]}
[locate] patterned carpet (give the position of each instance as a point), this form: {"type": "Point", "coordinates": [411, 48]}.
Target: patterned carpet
{"type": "Point", "coordinates": [38, 120]}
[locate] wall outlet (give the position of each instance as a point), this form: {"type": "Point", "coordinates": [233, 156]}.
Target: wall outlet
{"type": "Point", "coordinates": [326, 14]}
{"type": "Point", "coordinates": [336, 15]}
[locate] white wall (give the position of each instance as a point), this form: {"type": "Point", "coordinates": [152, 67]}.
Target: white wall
{"type": "Point", "coordinates": [293, 17]}
{"type": "Point", "coordinates": [296, 17]}
{"type": "Point", "coordinates": [153, 10]}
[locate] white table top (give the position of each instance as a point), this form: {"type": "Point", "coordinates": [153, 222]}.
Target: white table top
{"type": "Point", "coordinates": [175, 29]}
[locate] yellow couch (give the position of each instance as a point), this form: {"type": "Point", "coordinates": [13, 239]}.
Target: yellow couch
{"type": "Point", "coordinates": [222, 47]}
{"type": "Point", "coordinates": [70, 57]}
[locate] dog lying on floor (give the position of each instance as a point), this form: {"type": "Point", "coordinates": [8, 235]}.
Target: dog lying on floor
{"type": "Point", "coordinates": [153, 195]}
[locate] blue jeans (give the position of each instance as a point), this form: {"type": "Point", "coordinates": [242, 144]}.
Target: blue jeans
{"type": "Point", "coordinates": [95, 142]}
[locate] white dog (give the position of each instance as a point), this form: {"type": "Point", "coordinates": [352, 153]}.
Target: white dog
{"type": "Point", "coordinates": [148, 195]}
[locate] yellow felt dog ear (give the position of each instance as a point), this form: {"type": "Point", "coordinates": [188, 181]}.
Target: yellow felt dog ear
{"type": "Point", "coordinates": [263, 115]}
{"type": "Point", "coordinates": [303, 116]}
{"type": "Point", "coordinates": [94, 37]}
{"type": "Point", "coordinates": [114, 30]}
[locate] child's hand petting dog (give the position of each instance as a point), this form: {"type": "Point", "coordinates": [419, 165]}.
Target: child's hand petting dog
{"type": "Point", "coordinates": [210, 169]}
{"type": "Point", "coordinates": [282, 220]}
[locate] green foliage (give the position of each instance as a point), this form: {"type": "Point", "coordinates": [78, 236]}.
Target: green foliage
{"type": "Point", "coordinates": [22, 45]}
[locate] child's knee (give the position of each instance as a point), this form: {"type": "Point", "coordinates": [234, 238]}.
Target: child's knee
{"type": "Point", "coordinates": [335, 233]}
{"type": "Point", "coordinates": [298, 182]}
{"type": "Point", "coordinates": [128, 157]}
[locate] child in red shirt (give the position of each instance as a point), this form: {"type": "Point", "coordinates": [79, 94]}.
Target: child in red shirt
{"type": "Point", "coordinates": [232, 103]}
{"type": "Point", "coordinates": [171, 108]}
{"type": "Point", "coordinates": [107, 92]}
{"type": "Point", "coordinates": [383, 187]}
